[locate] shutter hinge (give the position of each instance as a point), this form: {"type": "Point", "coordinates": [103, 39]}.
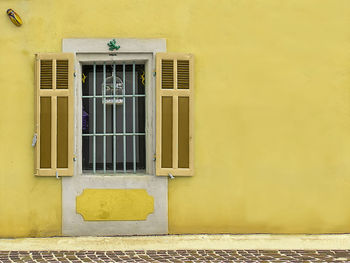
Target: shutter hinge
{"type": "Point", "coordinates": [34, 139]}
{"type": "Point", "coordinates": [154, 73]}
{"type": "Point", "coordinates": [171, 176]}
{"type": "Point", "coordinates": [74, 74]}
{"type": "Point", "coordinates": [57, 175]}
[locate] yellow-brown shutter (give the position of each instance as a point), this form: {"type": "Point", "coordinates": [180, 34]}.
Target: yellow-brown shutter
{"type": "Point", "coordinates": [54, 114]}
{"type": "Point", "coordinates": [174, 150]}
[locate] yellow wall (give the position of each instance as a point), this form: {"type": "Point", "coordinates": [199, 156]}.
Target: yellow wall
{"type": "Point", "coordinates": [272, 110]}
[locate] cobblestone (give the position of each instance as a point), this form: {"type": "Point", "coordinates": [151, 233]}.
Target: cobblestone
{"type": "Point", "coordinates": [177, 256]}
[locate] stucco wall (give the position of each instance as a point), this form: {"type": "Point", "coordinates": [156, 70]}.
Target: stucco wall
{"type": "Point", "coordinates": [272, 110]}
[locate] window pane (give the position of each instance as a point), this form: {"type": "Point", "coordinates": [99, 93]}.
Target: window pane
{"type": "Point", "coordinates": [99, 153]}
{"type": "Point", "coordinates": [86, 150]}
{"type": "Point", "coordinates": [129, 80]}
{"type": "Point", "coordinates": [140, 152]}
{"type": "Point", "coordinates": [62, 74]}
{"type": "Point", "coordinates": [62, 132]}
{"type": "Point", "coordinates": [141, 79]}
{"type": "Point", "coordinates": [140, 115]}
{"type": "Point", "coordinates": [184, 132]}
{"type": "Point", "coordinates": [129, 115]}
{"type": "Point", "coordinates": [167, 132]}
{"type": "Point", "coordinates": [120, 153]}
{"type": "Point", "coordinates": [87, 80]}
{"type": "Point", "coordinates": [129, 153]}
{"type": "Point", "coordinates": [87, 116]}
{"type": "Point", "coordinates": [46, 74]}
{"type": "Point", "coordinates": [45, 132]}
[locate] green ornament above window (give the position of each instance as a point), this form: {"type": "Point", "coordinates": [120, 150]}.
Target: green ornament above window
{"type": "Point", "coordinates": [113, 45]}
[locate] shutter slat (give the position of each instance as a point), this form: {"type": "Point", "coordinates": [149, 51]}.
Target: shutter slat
{"type": "Point", "coordinates": [62, 74]}
{"type": "Point", "coordinates": [46, 74]}
{"type": "Point", "coordinates": [167, 74]}
{"type": "Point", "coordinates": [183, 74]}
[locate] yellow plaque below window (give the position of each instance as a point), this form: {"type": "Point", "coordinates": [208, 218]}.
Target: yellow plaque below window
{"type": "Point", "coordinates": [114, 204]}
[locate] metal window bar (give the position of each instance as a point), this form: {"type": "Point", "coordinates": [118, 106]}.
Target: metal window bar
{"type": "Point", "coordinates": [104, 118]}
{"type": "Point", "coordinates": [133, 117]}
{"type": "Point", "coordinates": [114, 134]}
{"type": "Point", "coordinates": [124, 126]}
{"type": "Point", "coordinates": [114, 123]}
{"type": "Point", "coordinates": [94, 126]}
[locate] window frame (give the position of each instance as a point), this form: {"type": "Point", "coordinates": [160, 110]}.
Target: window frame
{"type": "Point", "coordinates": [88, 59]}
{"type": "Point", "coordinates": [88, 51]}
{"type": "Point", "coordinates": [98, 116]}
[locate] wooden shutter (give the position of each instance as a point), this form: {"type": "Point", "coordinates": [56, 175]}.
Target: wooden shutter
{"type": "Point", "coordinates": [174, 153]}
{"type": "Point", "coordinates": [54, 114]}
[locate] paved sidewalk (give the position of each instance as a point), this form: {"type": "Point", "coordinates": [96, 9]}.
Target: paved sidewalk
{"type": "Point", "coordinates": [178, 256]}
{"type": "Point", "coordinates": [179, 248]}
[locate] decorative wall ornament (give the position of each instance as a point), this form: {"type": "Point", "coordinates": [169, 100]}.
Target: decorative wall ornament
{"type": "Point", "coordinates": [109, 93]}
{"type": "Point", "coordinates": [142, 76]}
{"type": "Point", "coordinates": [83, 78]}
{"type": "Point", "coordinates": [114, 204]}
{"type": "Point", "coordinates": [14, 17]}
{"type": "Point", "coordinates": [113, 45]}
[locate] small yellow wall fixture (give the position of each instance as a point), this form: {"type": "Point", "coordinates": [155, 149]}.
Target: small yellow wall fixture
{"type": "Point", "coordinates": [114, 204]}
{"type": "Point", "coordinates": [14, 17]}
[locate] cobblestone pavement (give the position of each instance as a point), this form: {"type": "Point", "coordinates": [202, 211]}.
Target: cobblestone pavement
{"type": "Point", "coordinates": [178, 256]}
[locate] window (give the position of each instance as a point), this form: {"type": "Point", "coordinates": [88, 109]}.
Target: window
{"type": "Point", "coordinates": [113, 118]}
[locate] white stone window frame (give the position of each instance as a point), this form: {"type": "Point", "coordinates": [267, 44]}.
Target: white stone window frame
{"type": "Point", "coordinates": [88, 51]}
{"type": "Point", "coordinates": [73, 224]}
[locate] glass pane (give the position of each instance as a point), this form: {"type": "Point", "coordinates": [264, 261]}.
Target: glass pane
{"type": "Point", "coordinates": [141, 79]}
{"type": "Point", "coordinates": [140, 115]}
{"type": "Point", "coordinates": [120, 153]}
{"type": "Point", "coordinates": [62, 132]}
{"type": "Point", "coordinates": [129, 82]}
{"type": "Point", "coordinates": [99, 153]}
{"type": "Point", "coordinates": [87, 80]}
{"type": "Point", "coordinates": [109, 152]}
{"type": "Point", "coordinates": [87, 152]}
{"type": "Point", "coordinates": [129, 115]}
{"type": "Point", "coordinates": [46, 74]}
{"type": "Point", "coordinates": [62, 74]}
{"type": "Point", "coordinates": [45, 132]}
{"type": "Point", "coordinates": [129, 153]}
{"type": "Point", "coordinates": [119, 117]}
{"type": "Point", "coordinates": [140, 152]}
{"type": "Point", "coordinates": [183, 74]}
{"type": "Point", "coordinates": [100, 106]}
{"type": "Point", "coordinates": [167, 74]}
{"type": "Point", "coordinates": [167, 132]}
{"type": "Point", "coordinates": [184, 130]}
{"type": "Point", "coordinates": [87, 116]}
